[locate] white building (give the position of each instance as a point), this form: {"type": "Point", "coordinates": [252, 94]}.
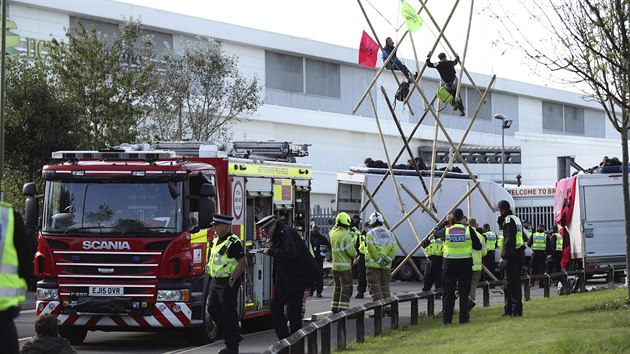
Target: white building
{"type": "Point", "coordinates": [312, 87]}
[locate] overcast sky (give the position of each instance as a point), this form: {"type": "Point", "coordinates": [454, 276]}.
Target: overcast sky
{"type": "Point", "coordinates": [342, 22]}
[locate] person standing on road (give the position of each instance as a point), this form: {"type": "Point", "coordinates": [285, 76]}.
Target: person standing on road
{"type": "Point", "coordinates": [477, 256]}
{"type": "Point", "coordinates": [556, 250]}
{"type": "Point", "coordinates": [358, 238]}
{"type": "Point", "coordinates": [538, 243]}
{"type": "Point", "coordinates": [320, 246]}
{"type": "Point", "coordinates": [512, 259]}
{"type": "Point", "coordinates": [433, 270]}
{"type": "Point", "coordinates": [47, 340]}
{"type": "Point", "coordinates": [381, 250]}
{"type": "Point", "coordinates": [459, 242]}
{"type": "Point", "coordinates": [290, 267]}
{"type": "Point", "coordinates": [227, 263]}
{"type": "Point", "coordinates": [343, 254]}
{"type": "Point", "coordinates": [491, 244]}
{"type": "Point", "coordinates": [16, 271]}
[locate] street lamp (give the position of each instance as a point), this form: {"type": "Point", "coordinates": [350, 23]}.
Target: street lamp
{"type": "Point", "coordinates": [505, 124]}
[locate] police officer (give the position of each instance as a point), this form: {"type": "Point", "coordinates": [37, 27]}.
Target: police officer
{"type": "Point", "coordinates": [433, 270]}
{"type": "Point", "coordinates": [320, 246]}
{"type": "Point", "coordinates": [489, 260]}
{"type": "Point", "coordinates": [16, 271]}
{"type": "Point", "coordinates": [227, 263]}
{"type": "Point", "coordinates": [538, 244]}
{"type": "Point", "coordinates": [381, 250]}
{"type": "Point", "coordinates": [343, 254]}
{"type": "Point", "coordinates": [512, 259]}
{"type": "Point", "coordinates": [477, 267]}
{"type": "Point", "coordinates": [358, 238]}
{"type": "Point", "coordinates": [556, 250]}
{"type": "Point", "coordinates": [457, 267]}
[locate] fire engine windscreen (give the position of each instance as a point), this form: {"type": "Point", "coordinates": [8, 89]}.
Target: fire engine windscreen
{"type": "Point", "coordinates": [113, 208]}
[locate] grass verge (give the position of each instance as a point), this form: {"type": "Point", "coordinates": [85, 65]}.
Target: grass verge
{"type": "Point", "coordinates": [580, 323]}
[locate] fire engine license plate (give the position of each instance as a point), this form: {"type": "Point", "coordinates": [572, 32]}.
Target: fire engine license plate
{"type": "Point", "coordinates": [106, 290]}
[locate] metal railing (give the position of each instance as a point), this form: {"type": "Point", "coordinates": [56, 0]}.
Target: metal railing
{"type": "Point", "coordinates": [307, 339]}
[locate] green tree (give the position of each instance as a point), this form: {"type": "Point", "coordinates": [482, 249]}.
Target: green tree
{"type": "Point", "coordinates": [37, 123]}
{"type": "Point", "coordinates": [590, 41]}
{"type": "Point", "coordinates": [106, 80]}
{"type": "Point", "coordinates": [201, 94]}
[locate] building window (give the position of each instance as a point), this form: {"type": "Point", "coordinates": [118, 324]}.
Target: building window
{"type": "Point", "coordinates": [472, 99]}
{"type": "Point", "coordinates": [561, 118]}
{"type": "Point", "coordinates": [300, 75]}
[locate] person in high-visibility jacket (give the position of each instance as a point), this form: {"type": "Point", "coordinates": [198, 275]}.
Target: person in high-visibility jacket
{"type": "Point", "coordinates": [358, 237]}
{"type": "Point", "coordinates": [432, 247]}
{"type": "Point", "coordinates": [16, 271]}
{"type": "Point", "coordinates": [556, 250]}
{"type": "Point", "coordinates": [343, 254]}
{"type": "Point", "coordinates": [477, 256]}
{"type": "Point", "coordinates": [381, 250]}
{"type": "Point", "coordinates": [512, 259]}
{"type": "Point", "coordinates": [226, 265]}
{"type": "Point", "coordinates": [489, 260]}
{"type": "Point", "coordinates": [457, 268]}
{"type": "Point", "coordinates": [538, 243]}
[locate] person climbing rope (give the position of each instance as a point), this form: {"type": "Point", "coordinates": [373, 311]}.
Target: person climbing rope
{"type": "Point", "coordinates": [395, 63]}
{"type": "Point", "coordinates": [446, 68]}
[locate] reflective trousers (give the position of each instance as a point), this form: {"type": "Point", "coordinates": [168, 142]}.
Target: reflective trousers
{"type": "Point", "coordinates": [343, 290]}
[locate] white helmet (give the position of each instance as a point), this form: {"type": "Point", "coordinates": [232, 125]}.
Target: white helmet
{"type": "Point", "coordinates": [376, 217]}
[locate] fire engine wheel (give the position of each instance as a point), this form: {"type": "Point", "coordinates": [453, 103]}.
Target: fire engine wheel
{"type": "Point", "coordinates": [74, 335]}
{"type": "Point", "coordinates": [406, 273]}
{"type": "Point", "coordinates": [207, 332]}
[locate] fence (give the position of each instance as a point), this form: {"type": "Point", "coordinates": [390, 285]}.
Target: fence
{"type": "Point", "coordinates": [324, 218]}
{"type": "Point", "coordinates": [536, 215]}
{"type": "Point", "coordinates": [310, 334]}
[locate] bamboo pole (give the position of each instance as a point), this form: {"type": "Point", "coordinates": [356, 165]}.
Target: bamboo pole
{"type": "Point", "coordinates": [413, 196]}
{"type": "Point", "coordinates": [459, 82]}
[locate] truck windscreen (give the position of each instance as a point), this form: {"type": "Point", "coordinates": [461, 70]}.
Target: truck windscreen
{"type": "Point", "coordinates": [111, 207]}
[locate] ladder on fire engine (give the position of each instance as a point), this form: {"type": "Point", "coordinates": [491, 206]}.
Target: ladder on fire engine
{"type": "Point", "coordinates": [263, 150]}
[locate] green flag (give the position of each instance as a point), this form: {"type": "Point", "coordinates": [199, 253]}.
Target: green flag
{"type": "Point", "coordinates": [411, 17]}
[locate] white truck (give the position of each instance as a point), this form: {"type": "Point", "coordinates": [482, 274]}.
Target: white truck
{"type": "Point", "coordinates": [351, 197]}
{"type": "Point", "coordinates": [597, 224]}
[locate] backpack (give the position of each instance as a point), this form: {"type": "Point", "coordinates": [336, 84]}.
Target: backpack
{"type": "Point", "coordinates": [403, 91]}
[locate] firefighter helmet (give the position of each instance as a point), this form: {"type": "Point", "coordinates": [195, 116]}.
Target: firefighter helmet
{"type": "Point", "coordinates": [376, 217]}
{"type": "Point", "coordinates": [343, 219]}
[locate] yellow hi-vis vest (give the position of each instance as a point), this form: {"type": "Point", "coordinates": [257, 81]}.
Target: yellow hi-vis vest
{"type": "Point", "coordinates": [222, 266]}
{"type": "Point", "coordinates": [491, 240]}
{"type": "Point", "coordinates": [519, 230]}
{"type": "Point", "coordinates": [559, 241]}
{"type": "Point", "coordinates": [500, 243]}
{"type": "Point", "coordinates": [457, 242]}
{"type": "Point", "coordinates": [343, 250]}
{"type": "Point", "coordinates": [477, 256]}
{"type": "Point", "coordinates": [540, 241]}
{"type": "Point", "coordinates": [12, 287]}
{"type": "Point", "coordinates": [381, 247]}
{"type": "Point", "coordinates": [435, 248]}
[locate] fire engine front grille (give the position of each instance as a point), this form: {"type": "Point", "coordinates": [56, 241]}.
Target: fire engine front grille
{"type": "Point", "coordinates": [106, 269]}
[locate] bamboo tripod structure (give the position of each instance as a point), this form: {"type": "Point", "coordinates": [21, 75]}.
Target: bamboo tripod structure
{"type": "Point", "coordinates": [426, 203]}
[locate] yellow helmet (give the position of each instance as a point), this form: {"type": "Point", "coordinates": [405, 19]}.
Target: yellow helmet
{"type": "Point", "coordinates": [343, 219]}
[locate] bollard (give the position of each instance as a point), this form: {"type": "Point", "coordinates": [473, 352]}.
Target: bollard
{"type": "Point", "coordinates": [431, 305]}
{"type": "Point", "coordinates": [582, 280]}
{"type": "Point", "coordinates": [341, 334]}
{"type": "Point", "coordinates": [486, 294]}
{"type": "Point", "coordinates": [610, 278]}
{"type": "Point", "coordinates": [526, 287]}
{"type": "Point", "coordinates": [547, 284]}
{"type": "Point", "coordinates": [414, 311]}
{"type": "Point", "coordinates": [394, 314]}
{"type": "Point", "coordinates": [313, 346]}
{"type": "Point", "coordinates": [326, 342]}
{"type": "Point", "coordinates": [378, 320]}
{"type": "Point", "coordinates": [360, 326]}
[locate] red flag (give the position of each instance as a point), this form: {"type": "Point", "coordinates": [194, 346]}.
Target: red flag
{"type": "Point", "coordinates": [368, 51]}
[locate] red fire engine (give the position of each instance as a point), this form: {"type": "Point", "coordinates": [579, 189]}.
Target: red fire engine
{"type": "Point", "coordinates": [124, 232]}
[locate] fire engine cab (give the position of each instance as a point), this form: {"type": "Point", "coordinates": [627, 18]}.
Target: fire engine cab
{"type": "Point", "coordinates": [124, 232]}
